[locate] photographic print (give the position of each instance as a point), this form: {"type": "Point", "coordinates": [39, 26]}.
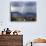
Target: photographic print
{"type": "Point", "coordinates": [23, 11]}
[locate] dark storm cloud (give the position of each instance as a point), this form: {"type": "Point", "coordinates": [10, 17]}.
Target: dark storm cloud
{"type": "Point", "coordinates": [30, 3]}
{"type": "Point", "coordinates": [19, 4]}
{"type": "Point", "coordinates": [16, 4]}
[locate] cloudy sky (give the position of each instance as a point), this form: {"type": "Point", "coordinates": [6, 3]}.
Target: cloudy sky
{"type": "Point", "coordinates": [23, 6]}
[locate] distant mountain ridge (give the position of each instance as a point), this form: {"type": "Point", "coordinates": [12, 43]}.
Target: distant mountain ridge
{"type": "Point", "coordinates": [22, 14]}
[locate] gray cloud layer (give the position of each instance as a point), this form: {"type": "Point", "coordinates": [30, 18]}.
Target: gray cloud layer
{"type": "Point", "coordinates": [23, 7]}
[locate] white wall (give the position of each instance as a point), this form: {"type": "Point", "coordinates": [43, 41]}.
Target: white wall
{"type": "Point", "coordinates": [30, 30]}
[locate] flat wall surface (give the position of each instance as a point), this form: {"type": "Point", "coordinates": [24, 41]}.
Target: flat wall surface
{"type": "Point", "coordinates": [31, 30]}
